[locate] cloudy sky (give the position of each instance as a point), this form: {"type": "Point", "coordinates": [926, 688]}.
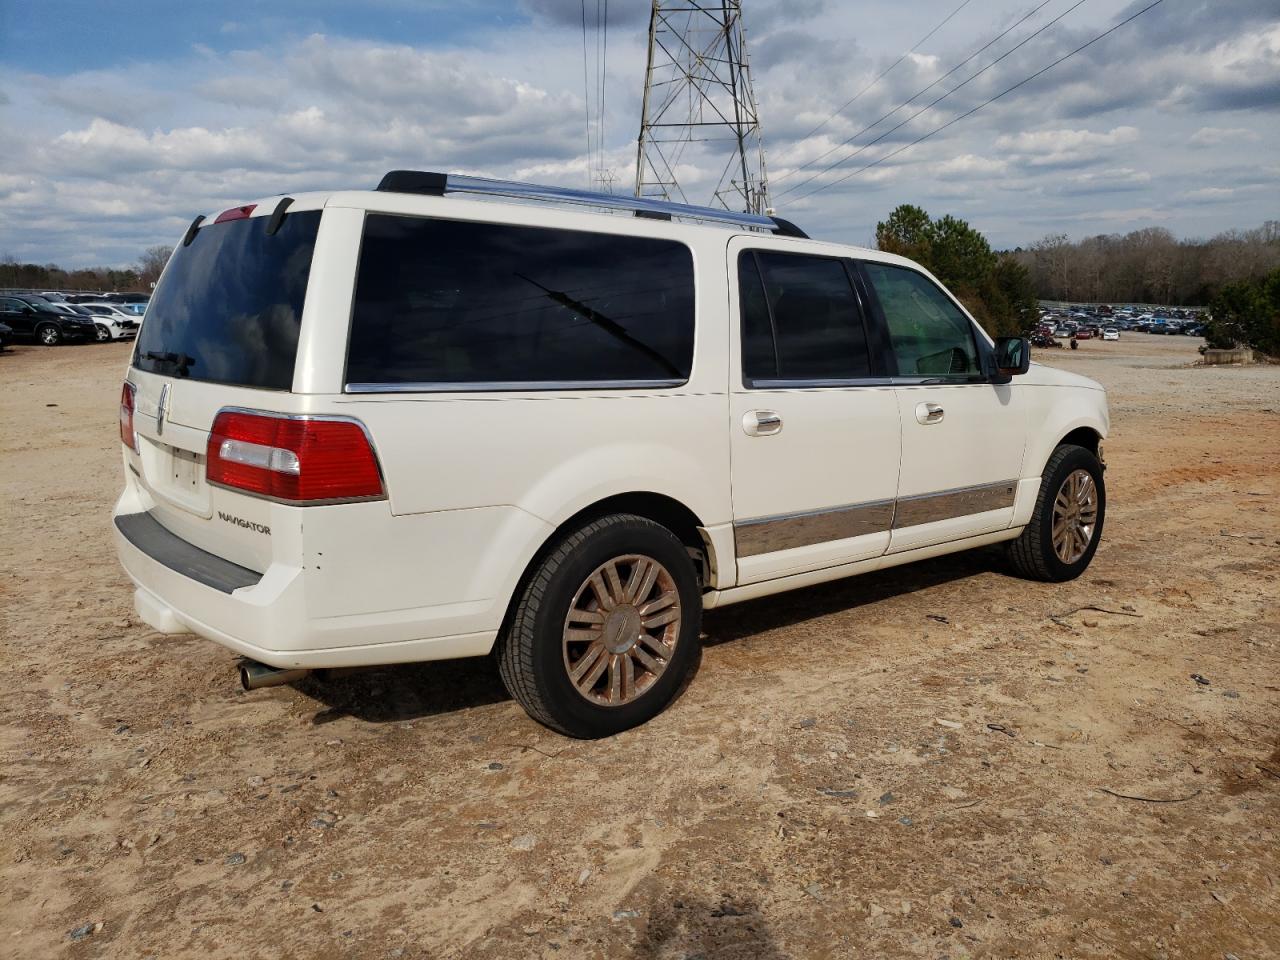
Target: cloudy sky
{"type": "Point", "coordinates": [123, 120]}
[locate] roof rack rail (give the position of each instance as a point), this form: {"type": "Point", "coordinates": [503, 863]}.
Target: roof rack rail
{"type": "Point", "coordinates": [438, 184]}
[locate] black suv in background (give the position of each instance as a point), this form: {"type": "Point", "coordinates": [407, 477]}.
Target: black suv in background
{"type": "Point", "coordinates": [36, 318]}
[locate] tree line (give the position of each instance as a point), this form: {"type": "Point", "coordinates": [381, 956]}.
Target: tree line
{"type": "Point", "coordinates": [1149, 265]}
{"type": "Point", "coordinates": [138, 278]}
{"type": "Point", "coordinates": [1236, 274]}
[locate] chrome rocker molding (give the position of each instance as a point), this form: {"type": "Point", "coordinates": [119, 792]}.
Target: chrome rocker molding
{"type": "Point", "coordinates": [787, 531]}
{"type": "Point", "coordinates": [960, 502]}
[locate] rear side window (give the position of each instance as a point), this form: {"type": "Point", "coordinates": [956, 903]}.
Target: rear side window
{"type": "Point", "coordinates": [447, 303]}
{"type": "Point", "coordinates": [800, 319]}
{"type": "Point", "coordinates": [229, 306]}
{"type": "Point", "coordinates": [929, 335]}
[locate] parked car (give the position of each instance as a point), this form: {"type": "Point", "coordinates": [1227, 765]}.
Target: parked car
{"type": "Point", "coordinates": [113, 322]}
{"type": "Point", "coordinates": [35, 318]}
{"type": "Point", "coordinates": [1110, 333]}
{"type": "Point", "coordinates": [6, 335]}
{"type": "Point", "coordinates": [1084, 333]}
{"type": "Point", "coordinates": [479, 426]}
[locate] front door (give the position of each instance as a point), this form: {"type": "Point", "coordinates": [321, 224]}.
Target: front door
{"type": "Point", "coordinates": [962, 435]}
{"type": "Point", "coordinates": [814, 422]}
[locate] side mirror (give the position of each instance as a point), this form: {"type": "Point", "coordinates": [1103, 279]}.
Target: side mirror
{"type": "Point", "coordinates": [1012, 358]}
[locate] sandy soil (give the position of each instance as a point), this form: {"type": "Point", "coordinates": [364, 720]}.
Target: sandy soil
{"type": "Point", "coordinates": [912, 763]}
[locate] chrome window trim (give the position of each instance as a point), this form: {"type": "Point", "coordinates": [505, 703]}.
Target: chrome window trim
{"type": "Point", "coordinates": [817, 383]}
{"type": "Point", "coordinates": [532, 386]}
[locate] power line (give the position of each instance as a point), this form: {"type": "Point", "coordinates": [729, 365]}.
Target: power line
{"type": "Point", "coordinates": [1002, 93]}
{"type": "Point", "coordinates": [883, 73]}
{"type": "Point", "coordinates": [929, 106]}
{"type": "Point", "coordinates": [998, 37]}
{"type": "Point", "coordinates": [586, 90]}
{"type": "Point", "coordinates": [595, 160]}
{"type": "Point", "coordinates": [604, 86]}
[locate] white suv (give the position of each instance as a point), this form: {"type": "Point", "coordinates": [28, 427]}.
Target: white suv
{"type": "Point", "coordinates": [453, 416]}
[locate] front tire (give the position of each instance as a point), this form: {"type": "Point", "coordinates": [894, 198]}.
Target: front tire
{"type": "Point", "coordinates": [48, 334]}
{"type": "Point", "coordinates": [101, 333]}
{"type": "Point", "coordinates": [605, 630]}
{"type": "Point", "coordinates": [1066, 525]}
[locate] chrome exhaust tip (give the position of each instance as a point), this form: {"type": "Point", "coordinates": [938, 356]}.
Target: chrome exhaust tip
{"type": "Point", "coordinates": [255, 676]}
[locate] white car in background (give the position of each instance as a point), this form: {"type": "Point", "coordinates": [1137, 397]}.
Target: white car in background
{"type": "Point", "coordinates": [1110, 333]}
{"type": "Point", "coordinates": [112, 322]}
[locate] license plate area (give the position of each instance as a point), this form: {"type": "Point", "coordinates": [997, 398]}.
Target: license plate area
{"type": "Point", "coordinates": [176, 475]}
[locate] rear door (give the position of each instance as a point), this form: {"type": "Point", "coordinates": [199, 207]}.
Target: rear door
{"type": "Point", "coordinates": [17, 315]}
{"type": "Point", "coordinates": [962, 435]}
{"type": "Point", "coordinates": [222, 330]}
{"type": "Point", "coordinates": [813, 421]}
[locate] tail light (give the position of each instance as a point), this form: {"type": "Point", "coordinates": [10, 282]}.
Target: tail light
{"type": "Point", "coordinates": [236, 213]}
{"type": "Point", "coordinates": [127, 436]}
{"type": "Point", "coordinates": [293, 459]}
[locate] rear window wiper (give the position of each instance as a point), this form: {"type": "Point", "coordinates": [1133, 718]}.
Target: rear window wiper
{"type": "Point", "coordinates": [611, 327]}
{"type": "Point", "coordinates": [180, 360]}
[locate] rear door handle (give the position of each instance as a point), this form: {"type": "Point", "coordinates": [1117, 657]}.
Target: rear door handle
{"type": "Point", "coordinates": [928, 413]}
{"type": "Point", "coordinates": [761, 423]}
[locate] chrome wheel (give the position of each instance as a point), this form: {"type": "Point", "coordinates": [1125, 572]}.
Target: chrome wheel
{"type": "Point", "coordinates": [622, 630]}
{"type": "Point", "coordinates": [49, 336]}
{"type": "Point", "coordinates": [1075, 516]}
{"type": "Point", "coordinates": [103, 334]}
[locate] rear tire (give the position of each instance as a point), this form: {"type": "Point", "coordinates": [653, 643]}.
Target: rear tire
{"type": "Point", "coordinates": [49, 334]}
{"type": "Point", "coordinates": [1070, 508]}
{"type": "Point", "coordinates": [575, 653]}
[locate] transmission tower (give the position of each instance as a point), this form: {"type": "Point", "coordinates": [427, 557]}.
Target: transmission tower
{"type": "Point", "coordinates": [699, 108]}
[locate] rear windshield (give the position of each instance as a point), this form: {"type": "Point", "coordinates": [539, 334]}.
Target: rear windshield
{"type": "Point", "coordinates": [443, 304]}
{"type": "Point", "coordinates": [228, 307]}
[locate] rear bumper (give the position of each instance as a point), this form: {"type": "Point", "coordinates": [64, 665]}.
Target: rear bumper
{"type": "Point", "coordinates": [182, 589]}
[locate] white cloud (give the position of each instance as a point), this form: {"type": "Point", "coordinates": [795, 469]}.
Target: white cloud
{"type": "Point", "coordinates": [1212, 136]}
{"type": "Point", "coordinates": [1063, 148]}
{"type": "Point", "coordinates": [971, 166]}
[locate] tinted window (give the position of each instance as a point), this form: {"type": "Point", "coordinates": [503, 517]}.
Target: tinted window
{"type": "Point", "coordinates": [228, 307]}
{"type": "Point", "coordinates": [443, 302]}
{"type": "Point", "coordinates": [929, 335]}
{"type": "Point", "coordinates": [800, 319]}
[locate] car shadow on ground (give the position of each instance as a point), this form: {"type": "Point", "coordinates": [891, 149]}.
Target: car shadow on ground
{"type": "Point", "coordinates": [775, 612]}
{"type": "Point", "coordinates": [687, 924]}
{"type": "Point", "coordinates": [415, 691]}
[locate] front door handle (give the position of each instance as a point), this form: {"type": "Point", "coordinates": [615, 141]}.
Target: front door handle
{"type": "Point", "coordinates": [928, 413]}
{"type": "Point", "coordinates": [761, 423]}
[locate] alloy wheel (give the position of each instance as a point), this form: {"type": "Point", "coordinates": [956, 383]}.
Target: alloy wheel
{"type": "Point", "coordinates": [1075, 516]}
{"type": "Point", "coordinates": [621, 630]}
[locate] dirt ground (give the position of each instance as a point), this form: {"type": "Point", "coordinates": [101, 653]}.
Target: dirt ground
{"type": "Point", "coordinates": [930, 762]}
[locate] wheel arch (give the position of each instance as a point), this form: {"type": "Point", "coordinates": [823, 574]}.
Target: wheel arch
{"type": "Point", "coordinates": [1087, 437]}
{"type": "Point", "coordinates": [658, 507]}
